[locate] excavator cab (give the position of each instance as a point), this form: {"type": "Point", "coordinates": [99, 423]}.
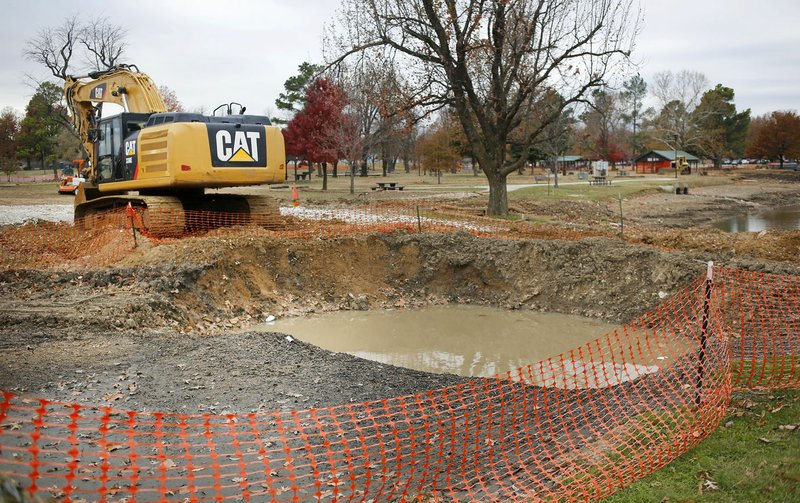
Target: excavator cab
{"type": "Point", "coordinates": [115, 143]}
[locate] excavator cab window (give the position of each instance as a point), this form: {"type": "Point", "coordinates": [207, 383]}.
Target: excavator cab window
{"type": "Point", "coordinates": [108, 146]}
{"type": "Point", "coordinates": [110, 154]}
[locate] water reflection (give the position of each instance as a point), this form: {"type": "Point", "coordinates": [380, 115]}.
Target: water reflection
{"type": "Point", "coordinates": [786, 218]}
{"type": "Point", "coordinates": [463, 340]}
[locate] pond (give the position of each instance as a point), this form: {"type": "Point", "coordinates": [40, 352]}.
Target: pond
{"type": "Point", "coordinates": [457, 339]}
{"type": "Point", "coordinates": [785, 218]}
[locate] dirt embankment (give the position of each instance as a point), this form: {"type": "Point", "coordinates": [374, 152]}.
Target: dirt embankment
{"type": "Point", "coordinates": [152, 334]}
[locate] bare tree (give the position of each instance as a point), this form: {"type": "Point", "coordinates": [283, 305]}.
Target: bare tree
{"type": "Point", "coordinates": [556, 138]}
{"type": "Point", "coordinates": [101, 44]}
{"type": "Point", "coordinates": [601, 121]}
{"type": "Point", "coordinates": [492, 60]}
{"type": "Point", "coordinates": [104, 43]}
{"type": "Point", "coordinates": [54, 48]}
{"type": "Point", "coordinates": [686, 86]}
{"type": "Point", "coordinates": [358, 77]}
{"type": "Point", "coordinates": [678, 94]}
{"type": "Point", "coordinates": [345, 139]}
{"type": "Point", "coordinates": [9, 146]}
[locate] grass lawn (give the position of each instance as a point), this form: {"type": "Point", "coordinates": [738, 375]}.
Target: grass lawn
{"type": "Point", "coordinates": [627, 188]}
{"type": "Point", "coordinates": [754, 456]}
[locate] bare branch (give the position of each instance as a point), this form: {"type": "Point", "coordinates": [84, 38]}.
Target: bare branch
{"type": "Point", "coordinates": [104, 42]}
{"type": "Point", "coordinates": [53, 48]}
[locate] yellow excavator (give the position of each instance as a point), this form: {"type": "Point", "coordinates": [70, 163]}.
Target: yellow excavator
{"type": "Point", "coordinates": [161, 162]}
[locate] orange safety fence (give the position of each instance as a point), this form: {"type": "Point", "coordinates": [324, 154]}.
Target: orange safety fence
{"type": "Point", "coordinates": [575, 427]}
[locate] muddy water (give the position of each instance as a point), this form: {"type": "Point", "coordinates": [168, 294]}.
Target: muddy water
{"type": "Point", "coordinates": [787, 218]}
{"type": "Point", "coordinates": [463, 340]}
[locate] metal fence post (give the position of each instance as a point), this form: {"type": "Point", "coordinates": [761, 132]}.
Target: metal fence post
{"type": "Point", "coordinates": [704, 332]}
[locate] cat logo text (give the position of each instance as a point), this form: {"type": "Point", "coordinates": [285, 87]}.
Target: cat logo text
{"type": "Point", "coordinates": [242, 146]}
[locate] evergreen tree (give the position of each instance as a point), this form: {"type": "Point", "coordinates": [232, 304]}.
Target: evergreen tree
{"type": "Point", "coordinates": [294, 97]}
{"type": "Point", "coordinates": [722, 129]}
{"type": "Point", "coordinates": [633, 95]}
{"type": "Point", "coordinates": [39, 130]}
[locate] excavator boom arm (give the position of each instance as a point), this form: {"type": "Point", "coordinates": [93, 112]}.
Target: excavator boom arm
{"type": "Point", "coordinates": [122, 85]}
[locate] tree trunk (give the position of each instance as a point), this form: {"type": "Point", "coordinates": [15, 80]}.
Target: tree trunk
{"type": "Point", "coordinates": [364, 166]}
{"type": "Point", "coordinates": [324, 166]}
{"type": "Point", "coordinates": [406, 165]}
{"type": "Point", "coordinates": [336, 169]}
{"type": "Point", "coordinates": [555, 172]}
{"type": "Point", "coordinates": [353, 165]}
{"type": "Point", "coordinates": [498, 194]}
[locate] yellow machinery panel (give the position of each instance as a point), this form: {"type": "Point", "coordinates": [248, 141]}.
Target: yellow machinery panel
{"type": "Point", "coordinates": [194, 155]}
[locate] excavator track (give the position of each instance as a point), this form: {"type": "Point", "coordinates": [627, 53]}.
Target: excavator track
{"type": "Point", "coordinates": [264, 212]}
{"type": "Point", "coordinates": [163, 216]}
{"type": "Point", "coordinates": [172, 217]}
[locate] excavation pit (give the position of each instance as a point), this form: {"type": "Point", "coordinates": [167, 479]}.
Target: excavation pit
{"type": "Point", "coordinates": [168, 320]}
{"type": "Point", "coordinates": [470, 341]}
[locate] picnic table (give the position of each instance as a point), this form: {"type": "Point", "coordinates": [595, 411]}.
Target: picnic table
{"type": "Point", "coordinates": [302, 176]}
{"type": "Point", "coordinates": [387, 186]}
{"type": "Point", "coordinates": [600, 180]}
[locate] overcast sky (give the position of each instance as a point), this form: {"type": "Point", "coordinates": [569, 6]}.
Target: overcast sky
{"type": "Point", "coordinates": [210, 52]}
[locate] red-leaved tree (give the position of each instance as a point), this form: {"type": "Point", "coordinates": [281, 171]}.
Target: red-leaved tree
{"type": "Point", "coordinates": [778, 137]}
{"type": "Point", "coordinates": [313, 132]}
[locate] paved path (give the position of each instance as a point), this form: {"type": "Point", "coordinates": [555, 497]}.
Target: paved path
{"type": "Point", "coordinates": [518, 186]}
